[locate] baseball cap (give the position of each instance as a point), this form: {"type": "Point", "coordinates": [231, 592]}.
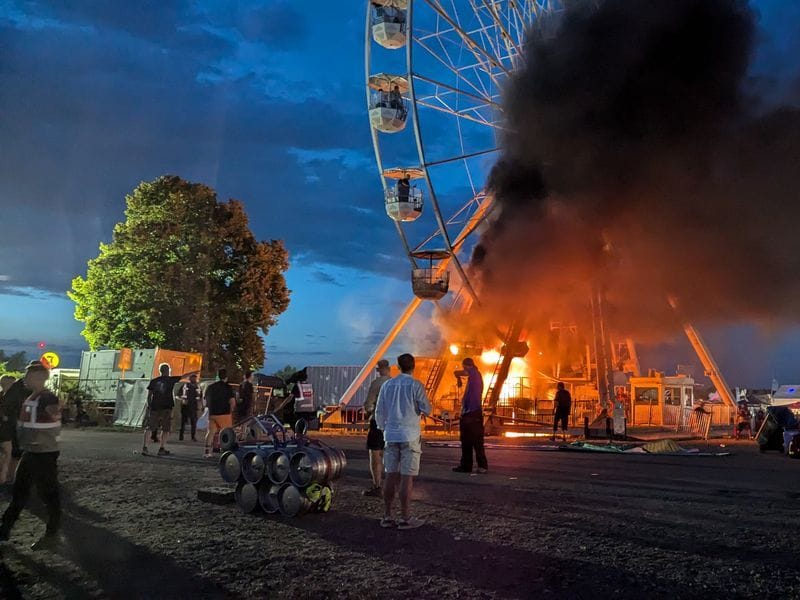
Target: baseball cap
{"type": "Point", "coordinates": [36, 365]}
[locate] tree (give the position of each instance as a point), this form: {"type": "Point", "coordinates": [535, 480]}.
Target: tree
{"type": "Point", "coordinates": [15, 362]}
{"type": "Point", "coordinates": [184, 271]}
{"type": "Point", "coordinates": [285, 372]}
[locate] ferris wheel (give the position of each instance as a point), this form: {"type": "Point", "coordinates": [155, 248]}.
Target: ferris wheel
{"type": "Point", "coordinates": [435, 71]}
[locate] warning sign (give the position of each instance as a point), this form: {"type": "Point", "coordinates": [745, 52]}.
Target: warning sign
{"type": "Point", "coordinates": [50, 360]}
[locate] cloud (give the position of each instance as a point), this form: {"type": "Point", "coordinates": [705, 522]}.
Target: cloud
{"type": "Point", "coordinates": [95, 101]}
{"type": "Point", "coordinates": [324, 277]}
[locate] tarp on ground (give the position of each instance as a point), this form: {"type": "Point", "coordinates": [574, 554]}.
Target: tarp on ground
{"type": "Point", "coordinates": [131, 403]}
{"type": "Point", "coordinates": [664, 447]}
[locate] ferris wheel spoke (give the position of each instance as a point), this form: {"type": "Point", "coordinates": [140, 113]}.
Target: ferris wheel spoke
{"type": "Point", "coordinates": [451, 66]}
{"type": "Point", "coordinates": [476, 48]}
{"type": "Point", "coordinates": [444, 161]}
{"type": "Point", "coordinates": [482, 99]}
{"type": "Point", "coordinates": [485, 32]}
{"type": "Point", "coordinates": [450, 111]}
{"type": "Point", "coordinates": [512, 49]}
{"type": "Point", "coordinates": [464, 216]}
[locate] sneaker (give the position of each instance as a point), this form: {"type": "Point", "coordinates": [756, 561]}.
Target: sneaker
{"type": "Point", "coordinates": [207, 454]}
{"type": "Point", "coordinates": [460, 469]}
{"type": "Point", "coordinates": [49, 541]}
{"type": "Point", "coordinates": [373, 492]}
{"type": "Point", "coordinates": [410, 523]}
{"type": "Point", "coordinates": [482, 471]}
{"type": "Point", "coordinates": [163, 452]}
{"type": "Point", "coordinates": [388, 522]}
{"type": "Point", "coordinates": [145, 450]}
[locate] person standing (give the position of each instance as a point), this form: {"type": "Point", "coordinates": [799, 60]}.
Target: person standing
{"type": "Point", "coordinates": [221, 402]}
{"type": "Point", "coordinates": [375, 442]}
{"type": "Point", "coordinates": [470, 425]}
{"type": "Point", "coordinates": [13, 398]}
{"type": "Point", "coordinates": [160, 403]}
{"type": "Point", "coordinates": [39, 426]}
{"type": "Point", "coordinates": [563, 405]}
{"type": "Point", "coordinates": [190, 403]}
{"type": "Point", "coordinates": [403, 189]}
{"type": "Point", "coordinates": [401, 403]}
{"type": "Point", "coordinates": [9, 409]}
{"type": "Point", "coordinates": [246, 392]}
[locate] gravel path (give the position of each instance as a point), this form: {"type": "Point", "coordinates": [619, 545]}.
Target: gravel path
{"type": "Point", "coordinates": [541, 524]}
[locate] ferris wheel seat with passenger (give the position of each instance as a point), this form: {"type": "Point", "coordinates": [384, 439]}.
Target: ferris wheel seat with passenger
{"type": "Point", "coordinates": [403, 200]}
{"type": "Point", "coordinates": [388, 18]}
{"type": "Point", "coordinates": [388, 105]}
{"type": "Point", "coordinates": [431, 282]}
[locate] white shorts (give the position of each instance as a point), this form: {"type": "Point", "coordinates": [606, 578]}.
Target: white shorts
{"type": "Point", "coordinates": [402, 457]}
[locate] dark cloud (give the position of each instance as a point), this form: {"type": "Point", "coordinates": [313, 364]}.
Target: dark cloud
{"type": "Point", "coordinates": [277, 23]}
{"type": "Point", "coordinates": [87, 115]}
{"type": "Point", "coordinates": [156, 20]}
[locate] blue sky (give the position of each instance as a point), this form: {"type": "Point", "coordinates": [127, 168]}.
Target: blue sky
{"type": "Point", "coordinates": [265, 102]}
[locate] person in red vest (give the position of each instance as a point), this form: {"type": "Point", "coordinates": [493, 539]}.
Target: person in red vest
{"type": "Point", "coordinates": [39, 426]}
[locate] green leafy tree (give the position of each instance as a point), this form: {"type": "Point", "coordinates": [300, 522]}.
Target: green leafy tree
{"type": "Point", "coordinates": [15, 362]}
{"type": "Point", "coordinates": [285, 372]}
{"type": "Point", "coordinates": [184, 271]}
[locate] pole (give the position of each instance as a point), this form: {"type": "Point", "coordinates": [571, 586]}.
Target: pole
{"type": "Point", "coordinates": [379, 351]}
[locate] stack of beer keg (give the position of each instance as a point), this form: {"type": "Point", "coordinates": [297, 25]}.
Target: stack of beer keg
{"type": "Point", "coordinates": [291, 476]}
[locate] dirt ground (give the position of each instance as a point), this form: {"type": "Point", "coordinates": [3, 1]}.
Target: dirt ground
{"type": "Point", "coordinates": [540, 525]}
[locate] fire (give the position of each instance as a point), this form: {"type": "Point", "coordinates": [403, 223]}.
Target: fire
{"type": "Point", "coordinates": [524, 434]}
{"type": "Point", "coordinates": [454, 349]}
{"type": "Point", "coordinates": [518, 369]}
{"type": "Point", "coordinates": [490, 357]}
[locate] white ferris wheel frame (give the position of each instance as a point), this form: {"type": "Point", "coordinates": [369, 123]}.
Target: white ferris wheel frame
{"type": "Point", "coordinates": [494, 49]}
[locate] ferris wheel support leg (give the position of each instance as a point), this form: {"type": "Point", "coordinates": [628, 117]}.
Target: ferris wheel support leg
{"type": "Point", "coordinates": [379, 352]}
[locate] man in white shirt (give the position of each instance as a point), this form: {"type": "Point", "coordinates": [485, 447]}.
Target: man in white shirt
{"type": "Point", "coordinates": [401, 403]}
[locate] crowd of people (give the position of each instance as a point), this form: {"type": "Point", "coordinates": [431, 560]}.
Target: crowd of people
{"type": "Point", "coordinates": [394, 407]}
{"type": "Point", "coordinates": [30, 422]}
{"type": "Point", "coordinates": [225, 407]}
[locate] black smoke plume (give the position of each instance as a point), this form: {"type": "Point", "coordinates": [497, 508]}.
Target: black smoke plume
{"type": "Point", "coordinates": [639, 158]}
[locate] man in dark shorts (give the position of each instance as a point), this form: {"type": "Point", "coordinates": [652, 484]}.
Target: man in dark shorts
{"type": "Point", "coordinates": [221, 402]}
{"type": "Point", "coordinates": [160, 403]}
{"type": "Point", "coordinates": [40, 424]}
{"type": "Point", "coordinates": [245, 405]}
{"type": "Point", "coordinates": [190, 403]}
{"type": "Point", "coordinates": [375, 443]}
{"type": "Point", "coordinates": [13, 398]}
{"type": "Point", "coordinates": [563, 405]}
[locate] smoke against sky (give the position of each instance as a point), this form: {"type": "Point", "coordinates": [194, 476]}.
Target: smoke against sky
{"type": "Point", "coordinates": [641, 156]}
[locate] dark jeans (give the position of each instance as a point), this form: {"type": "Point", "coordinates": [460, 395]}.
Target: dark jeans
{"type": "Point", "coordinates": [188, 413]}
{"type": "Point", "coordinates": [39, 469]}
{"type": "Point", "coordinates": [563, 416]}
{"type": "Point", "coordinates": [471, 435]}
